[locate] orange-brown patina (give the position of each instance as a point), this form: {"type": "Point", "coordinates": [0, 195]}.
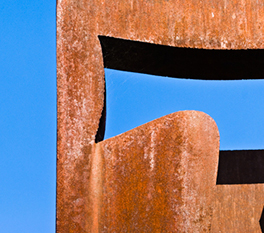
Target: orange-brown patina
{"type": "Point", "coordinates": [109, 186]}
{"type": "Point", "coordinates": [160, 177]}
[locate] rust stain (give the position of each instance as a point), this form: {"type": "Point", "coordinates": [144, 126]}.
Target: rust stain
{"type": "Point", "coordinates": [96, 187]}
{"type": "Point", "coordinates": [160, 177]}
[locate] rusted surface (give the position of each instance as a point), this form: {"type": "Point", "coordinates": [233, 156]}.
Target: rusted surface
{"type": "Point", "coordinates": [160, 177]}
{"type": "Point", "coordinates": [201, 24]}
{"type": "Point", "coordinates": [208, 24]}
{"type": "Point", "coordinates": [238, 208]}
{"type": "Point", "coordinates": [80, 86]}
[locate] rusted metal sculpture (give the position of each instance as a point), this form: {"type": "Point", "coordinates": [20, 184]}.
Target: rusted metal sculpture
{"type": "Point", "coordinates": [159, 177]}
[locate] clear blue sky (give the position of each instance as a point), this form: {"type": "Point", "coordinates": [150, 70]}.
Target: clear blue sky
{"type": "Point", "coordinates": [28, 112]}
{"type": "Point", "coordinates": [27, 116]}
{"type": "Point", "coordinates": [236, 106]}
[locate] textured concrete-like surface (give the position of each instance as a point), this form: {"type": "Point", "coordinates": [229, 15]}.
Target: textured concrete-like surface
{"type": "Point", "coordinates": [160, 177]}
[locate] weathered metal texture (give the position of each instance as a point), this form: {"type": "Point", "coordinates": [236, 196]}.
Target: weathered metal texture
{"type": "Point", "coordinates": [160, 177]}
{"type": "Point", "coordinates": [209, 24]}
{"type": "Point", "coordinates": [80, 97]}
{"type": "Point", "coordinates": [238, 208]}
{"type": "Point", "coordinates": [201, 24]}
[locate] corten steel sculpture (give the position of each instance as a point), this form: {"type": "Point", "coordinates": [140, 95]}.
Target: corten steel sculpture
{"type": "Point", "coordinates": [161, 176]}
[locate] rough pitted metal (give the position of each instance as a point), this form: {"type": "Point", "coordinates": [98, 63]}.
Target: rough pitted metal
{"type": "Point", "coordinates": [208, 24]}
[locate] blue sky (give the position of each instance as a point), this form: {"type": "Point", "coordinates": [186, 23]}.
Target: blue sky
{"type": "Point", "coordinates": [27, 116]}
{"type": "Point", "coordinates": [236, 106]}
{"type": "Point", "coordinates": [28, 112]}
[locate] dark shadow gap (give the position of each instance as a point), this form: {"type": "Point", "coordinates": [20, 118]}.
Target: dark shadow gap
{"type": "Point", "coordinates": [101, 129]}
{"type": "Point", "coordinates": [170, 61]}
{"type": "Point", "coordinates": [241, 167]}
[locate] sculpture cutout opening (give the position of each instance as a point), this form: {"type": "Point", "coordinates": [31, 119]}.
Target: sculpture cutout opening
{"type": "Point", "coordinates": [196, 64]}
